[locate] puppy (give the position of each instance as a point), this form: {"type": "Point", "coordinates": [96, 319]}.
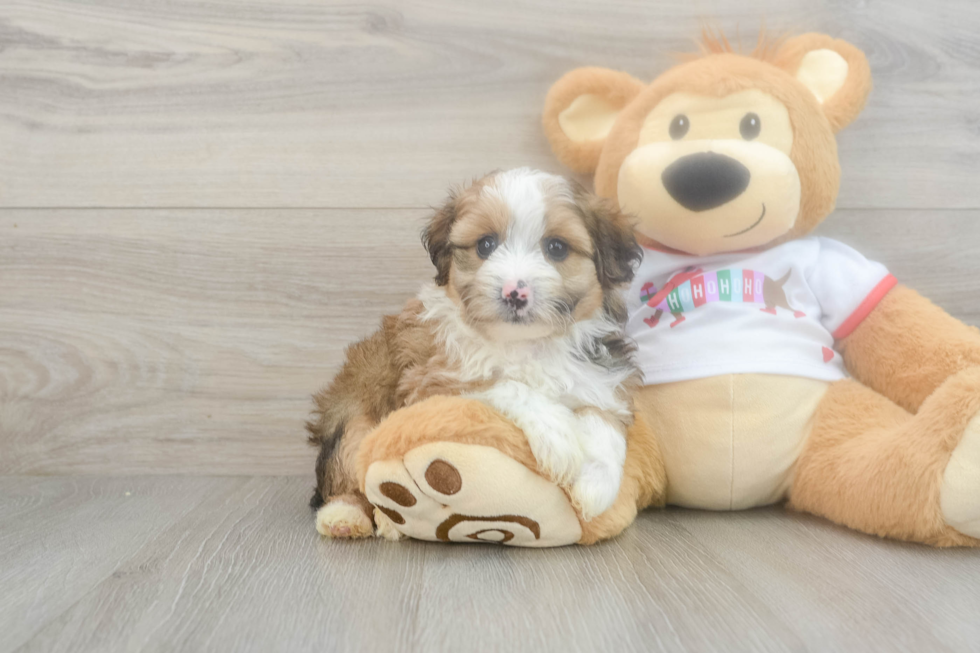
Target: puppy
{"type": "Point", "coordinates": [526, 314]}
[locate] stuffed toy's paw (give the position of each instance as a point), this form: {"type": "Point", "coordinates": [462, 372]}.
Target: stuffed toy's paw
{"type": "Point", "coordinates": [453, 470]}
{"type": "Point", "coordinates": [450, 469]}
{"type": "Point", "coordinates": [447, 491]}
{"type": "Point", "coordinates": [960, 493]}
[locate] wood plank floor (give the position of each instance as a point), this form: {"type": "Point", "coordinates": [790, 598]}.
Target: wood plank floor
{"type": "Point", "coordinates": [297, 103]}
{"type": "Point", "coordinates": [222, 564]}
{"type": "Point", "coordinates": [203, 201]}
{"type": "Point", "coordinates": [189, 341]}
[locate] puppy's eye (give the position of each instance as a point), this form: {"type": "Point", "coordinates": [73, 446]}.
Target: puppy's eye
{"type": "Point", "coordinates": [679, 126]}
{"type": "Point", "coordinates": [750, 126]}
{"type": "Point", "coordinates": [556, 248]}
{"type": "Point", "coordinates": [486, 245]}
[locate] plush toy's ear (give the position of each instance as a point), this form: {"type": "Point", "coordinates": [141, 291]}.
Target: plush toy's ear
{"type": "Point", "coordinates": [580, 110]}
{"type": "Point", "coordinates": [835, 71]}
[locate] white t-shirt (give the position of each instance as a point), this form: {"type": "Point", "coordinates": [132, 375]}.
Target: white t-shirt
{"type": "Point", "coordinates": [773, 311]}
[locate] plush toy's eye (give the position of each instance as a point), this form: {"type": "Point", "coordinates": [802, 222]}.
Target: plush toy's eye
{"type": "Point", "coordinates": [679, 126]}
{"type": "Point", "coordinates": [486, 245]}
{"type": "Point", "coordinates": [750, 126]}
{"type": "Point", "coordinates": [556, 248]}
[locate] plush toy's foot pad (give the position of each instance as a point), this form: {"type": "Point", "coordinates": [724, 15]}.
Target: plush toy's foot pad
{"type": "Point", "coordinates": [452, 492]}
{"type": "Point", "coordinates": [960, 494]}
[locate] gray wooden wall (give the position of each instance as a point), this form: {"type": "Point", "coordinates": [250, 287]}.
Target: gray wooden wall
{"type": "Point", "coordinates": [203, 201]}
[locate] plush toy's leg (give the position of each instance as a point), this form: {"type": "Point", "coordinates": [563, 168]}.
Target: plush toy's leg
{"type": "Point", "coordinates": [871, 465]}
{"type": "Point", "coordinates": [452, 469]}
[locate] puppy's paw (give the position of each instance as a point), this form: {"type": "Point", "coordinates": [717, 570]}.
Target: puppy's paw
{"type": "Point", "coordinates": [386, 527]}
{"type": "Point", "coordinates": [557, 453]}
{"type": "Point", "coordinates": [550, 427]}
{"type": "Point", "coordinates": [596, 489]}
{"type": "Point", "coordinates": [340, 519]}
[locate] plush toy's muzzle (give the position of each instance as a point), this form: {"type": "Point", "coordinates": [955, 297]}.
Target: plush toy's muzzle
{"type": "Point", "coordinates": [709, 196]}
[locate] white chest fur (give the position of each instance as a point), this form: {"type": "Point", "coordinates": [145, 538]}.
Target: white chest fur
{"type": "Point", "coordinates": [557, 367]}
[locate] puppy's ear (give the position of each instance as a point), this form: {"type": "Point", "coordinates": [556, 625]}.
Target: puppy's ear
{"type": "Point", "coordinates": [616, 252]}
{"type": "Point", "coordinates": [435, 238]}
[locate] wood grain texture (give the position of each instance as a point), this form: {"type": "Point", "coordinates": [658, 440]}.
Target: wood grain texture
{"type": "Point", "coordinates": [647, 590]}
{"type": "Point", "coordinates": [762, 549]}
{"type": "Point", "coordinates": [145, 330]}
{"type": "Point", "coordinates": [61, 538]}
{"type": "Point", "coordinates": [189, 341]}
{"type": "Point", "coordinates": [230, 103]}
{"type": "Point", "coordinates": [185, 341]}
{"type": "Point", "coordinates": [241, 568]}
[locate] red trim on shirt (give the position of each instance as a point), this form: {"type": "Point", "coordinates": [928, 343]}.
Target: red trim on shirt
{"type": "Point", "coordinates": [865, 307]}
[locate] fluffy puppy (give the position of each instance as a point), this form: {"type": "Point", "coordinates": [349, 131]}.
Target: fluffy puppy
{"type": "Point", "coordinates": [526, 314]}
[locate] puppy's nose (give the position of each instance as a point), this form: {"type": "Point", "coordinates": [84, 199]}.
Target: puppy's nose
{"type": "Point", "coordinates": [516, 293]}
{"type": "Point", "coordinates": [705, 180]}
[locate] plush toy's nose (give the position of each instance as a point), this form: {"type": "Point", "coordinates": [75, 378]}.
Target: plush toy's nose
{"type": "Point", "coordinates": [705, 180]}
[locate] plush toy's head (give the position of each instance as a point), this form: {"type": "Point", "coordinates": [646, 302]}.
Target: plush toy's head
{"type": "Point", "coordinates": [723, 152]}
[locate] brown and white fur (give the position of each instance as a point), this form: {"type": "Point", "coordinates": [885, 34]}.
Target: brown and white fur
{"type": "Point", "coordinates": [526, 314]}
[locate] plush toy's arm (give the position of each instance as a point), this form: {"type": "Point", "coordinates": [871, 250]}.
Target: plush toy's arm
{"type": "Point", "coordinates": [907, 346]}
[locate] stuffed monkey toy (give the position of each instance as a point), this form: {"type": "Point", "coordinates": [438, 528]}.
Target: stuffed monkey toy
{"type": "Point", "coordinates": [777, 366]}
